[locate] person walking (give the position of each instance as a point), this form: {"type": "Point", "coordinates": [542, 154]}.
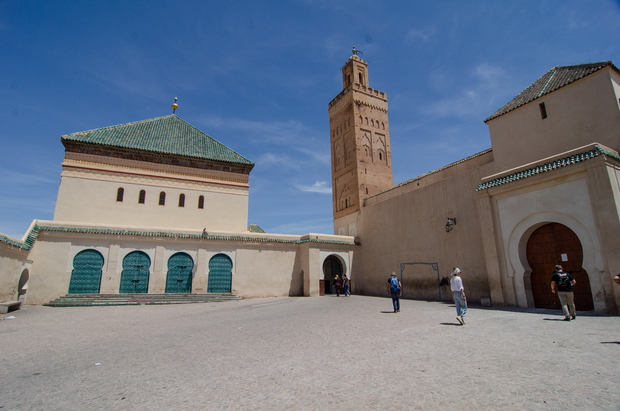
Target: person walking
{"type": "Point", "coordinates": [337, 285]}
{"type": "Point", "coordinates": [394, 288]}
{"type": "Point", "coordinates": [347, 286]}
{"type": "Point", "coordinates": [458, 295]}
{"type": "Point", "coordinates": [562, 283]}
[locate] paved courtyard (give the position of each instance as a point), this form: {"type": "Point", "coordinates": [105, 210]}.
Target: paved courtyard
{"type": "Point", "coordinates": [324, 353]}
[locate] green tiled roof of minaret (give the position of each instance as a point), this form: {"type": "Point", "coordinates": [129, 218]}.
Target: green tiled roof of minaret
{"type": "Point", "coordinates": [165, 135]}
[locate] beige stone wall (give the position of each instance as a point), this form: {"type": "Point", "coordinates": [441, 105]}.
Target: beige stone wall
{"type": "Point", "coordinates": [13, 263]}
{"type": "Point", "coordinates": [578, 114]}
{"type": "Point", "coordinates": [270, 266]}
{"type": "Point", "coordinates": [83, 199]}
{"type": "Point", "coordinates": [407, 225]}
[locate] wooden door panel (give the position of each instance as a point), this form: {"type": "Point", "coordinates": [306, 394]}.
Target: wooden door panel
{"type": "Point", "coordinates": [545, 249]}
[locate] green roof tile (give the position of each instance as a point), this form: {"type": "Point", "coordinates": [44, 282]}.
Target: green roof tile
{"type": "Point", "coordinates": [166, 135]}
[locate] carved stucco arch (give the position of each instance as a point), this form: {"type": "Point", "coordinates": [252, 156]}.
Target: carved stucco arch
{"type": "Point", "coordinates": [520, 270]}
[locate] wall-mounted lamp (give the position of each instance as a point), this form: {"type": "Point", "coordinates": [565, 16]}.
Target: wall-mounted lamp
{"type": "Point", "coordinates": [451, 222]}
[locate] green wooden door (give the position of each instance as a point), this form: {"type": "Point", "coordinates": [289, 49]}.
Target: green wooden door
{"type": "Point", "coordinates": [86, 274]}
{"type": "Point", "coordinates": [220, 274]}
{"type": "Point", "coordinates": [135, 274]}
{"type": "Point", "coordinates": [179, 279]}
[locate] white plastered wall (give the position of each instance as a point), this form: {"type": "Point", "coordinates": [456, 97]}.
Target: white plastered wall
{"type": "Point", "coordinates": [523, 211]}
{"type": "Point", "coordinates": [94, 201]}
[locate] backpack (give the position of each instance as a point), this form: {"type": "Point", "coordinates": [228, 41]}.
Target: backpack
{"type": "Point", "coordinates": [563, 280]}
{"type": "Point", "coordinates": [394, 284]}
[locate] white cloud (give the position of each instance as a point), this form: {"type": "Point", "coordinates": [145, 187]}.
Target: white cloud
{"type": "Point", "coordinates": [272, 159]}
{"type": "Point", "coordinates": [424, 35]}
{"type": "Point", "coordinates": [317, 187]}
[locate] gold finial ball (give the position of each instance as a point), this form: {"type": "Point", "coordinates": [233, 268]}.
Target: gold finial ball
{"type": "Point", "coordinates": [175, 106]}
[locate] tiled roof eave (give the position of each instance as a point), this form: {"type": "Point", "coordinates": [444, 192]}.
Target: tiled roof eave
{"type": "Point", "coordinates": [541, 87]}
{"type": "Point", "coordinates": [246, 163]}
{"type": "Point", "coordinates": [145, 135]}
{"type": "Point", "coordinates": [549, 166]}
{"type": "Point", "coordinates": [34, 233]}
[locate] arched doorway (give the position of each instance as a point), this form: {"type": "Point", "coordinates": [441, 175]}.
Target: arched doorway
{"type": "Point", "coordinates": [331, 267]}
{"type": "Point", "coordinates": [220, 274]}
{"type": "Point", "coordinates": [553, 244]}
{"type": "Point", "coordinates": [135, 274]}
{"type": "Point", "coordinates": [179, 278]}
{"type": "Point", "coordinates": [86, 273]}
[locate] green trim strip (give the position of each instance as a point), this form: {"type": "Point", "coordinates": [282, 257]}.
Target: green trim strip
{"type": "Point", "coordinates": [542, 168]}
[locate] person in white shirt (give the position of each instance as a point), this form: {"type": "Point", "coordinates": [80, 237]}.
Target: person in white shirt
{"type": "Point", "coordinates": [460, 300]}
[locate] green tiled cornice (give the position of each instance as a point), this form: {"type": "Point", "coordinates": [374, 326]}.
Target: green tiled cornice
{"type": "Point", "coordinates": [542, 168]}
{"type": "Point", "coordinates": [168, 135]}
{"type": "Point", "coordinates": [34, 233]}
{"type": "Point", "coordinates": [15, 243]}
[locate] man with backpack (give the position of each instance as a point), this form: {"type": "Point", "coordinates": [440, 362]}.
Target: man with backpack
{"type": "Point", "coordinates": [395, 290]}
{"type": "Point", "coordinates": [562, 283]}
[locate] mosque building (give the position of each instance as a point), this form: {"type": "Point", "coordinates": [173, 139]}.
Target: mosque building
{"type": "Point", "coordinates": [159, 207]}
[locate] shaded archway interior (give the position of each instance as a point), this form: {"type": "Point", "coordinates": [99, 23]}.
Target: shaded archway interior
{"type": "Point", "coordinates": [332, 267]}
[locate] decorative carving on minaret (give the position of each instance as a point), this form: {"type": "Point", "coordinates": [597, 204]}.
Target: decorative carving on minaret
{"type": "Point", "coordinates": [360, 141]}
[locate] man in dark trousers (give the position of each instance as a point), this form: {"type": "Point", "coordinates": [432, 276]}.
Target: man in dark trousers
{"type": "Point", "coordinates": [562, 283]}
{"type": "Point", "coordinates": [395, 290]}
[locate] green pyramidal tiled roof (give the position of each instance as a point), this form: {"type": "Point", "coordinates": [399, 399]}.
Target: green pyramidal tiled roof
{"type": "Point", "coordinates": [552, 80]}
{"type": "Point", "coordinates": [166, 135]}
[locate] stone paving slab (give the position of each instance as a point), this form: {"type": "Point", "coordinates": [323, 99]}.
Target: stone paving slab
{"type": "Point", "coordinates": [324, 353]}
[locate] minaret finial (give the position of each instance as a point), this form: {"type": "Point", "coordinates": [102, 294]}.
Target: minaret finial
{"type": "Point", "coordinates": [356, 52]}
{"type": "Point", "coordinates": [174, 106]}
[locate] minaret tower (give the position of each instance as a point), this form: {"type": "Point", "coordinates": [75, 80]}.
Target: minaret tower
{"type": "Point", "coordinates": [360, 145]}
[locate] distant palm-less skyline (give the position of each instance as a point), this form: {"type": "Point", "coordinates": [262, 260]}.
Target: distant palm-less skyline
{"type": "Point", "coordinates": [257, 76]}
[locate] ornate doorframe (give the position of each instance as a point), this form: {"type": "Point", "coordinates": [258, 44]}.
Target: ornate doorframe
{"type": "Point", "coordinates": [519, 271]}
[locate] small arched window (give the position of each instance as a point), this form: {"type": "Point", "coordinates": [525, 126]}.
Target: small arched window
{"type": "Point", "coordinates": [201, 202]}
{"type": "Point", "coordinates": [142, 197]}
{"type": "Point", "coordinates": [119, 194]}
{"type": "Point", "coordinates": [361, 78]}
{"type": "Point", "coordinates": [181, 200]}
{"type": "Point", "coordinates": [162, 198]}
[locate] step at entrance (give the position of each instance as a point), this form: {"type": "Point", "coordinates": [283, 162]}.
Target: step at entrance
{"type": "Point", "coordinates": [89, 300]}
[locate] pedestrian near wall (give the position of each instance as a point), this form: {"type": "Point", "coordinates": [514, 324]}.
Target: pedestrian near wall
{"type": "Point", "coordinates": [347, 286]}
{"type": "Point", "coordinates": [337, 285]}
{"type": "Point", "coordinates": [395, 289]}
{"type": "Point", "coordinates": [458, 295]}
{"type": "Point", "coordinates": [562, 283]}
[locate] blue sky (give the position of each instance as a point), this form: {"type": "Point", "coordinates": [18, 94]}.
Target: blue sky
{"type": "Point", "coordinates": [258, 75]}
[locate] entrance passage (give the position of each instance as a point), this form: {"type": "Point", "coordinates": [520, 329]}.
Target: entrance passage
{"type": "Point", "coordinates": [135, 274]}
{"type": "Point", "coordinates": [548, 246]}
{"type": "Point", "coordinates": [332, 267]}
{"type": "Point", "coordinates": [86, 273]}
{"type": "Point", "coordinates": [179, 279]}
{"type": "Point", "coordinates": [220, 274]}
